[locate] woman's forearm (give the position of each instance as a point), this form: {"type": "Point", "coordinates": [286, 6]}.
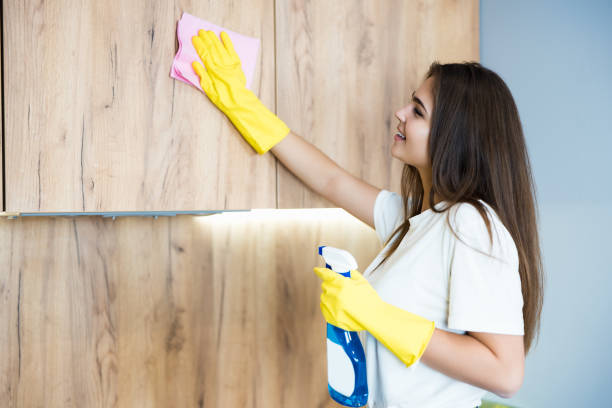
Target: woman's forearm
{"type": "Point", "coordinates": [466, 359]}
{"type": "Point", "coordinates": [309, 164]}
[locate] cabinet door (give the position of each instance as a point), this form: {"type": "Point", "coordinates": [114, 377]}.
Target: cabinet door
{"type": "Point", "coordinates": [345, 67]}
{"type": "Point", "coordinates": [216, 312]}
{"type": "Point", "coordinates": [94, 122]}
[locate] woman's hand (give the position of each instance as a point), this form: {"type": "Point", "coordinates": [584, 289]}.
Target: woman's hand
{"type": "Point", "coordinates": [353, 304]}
{"type": "Point", "coordinates": [224, 83]}
{"type": "Point", "coordinates": [343, 299]}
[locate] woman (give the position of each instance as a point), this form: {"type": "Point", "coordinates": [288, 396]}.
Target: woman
{"type": "Point", "coordinates": [458, 284]}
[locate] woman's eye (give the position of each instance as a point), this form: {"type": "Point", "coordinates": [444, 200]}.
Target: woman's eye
{"type": "Point", "coordinates": [417, 112]}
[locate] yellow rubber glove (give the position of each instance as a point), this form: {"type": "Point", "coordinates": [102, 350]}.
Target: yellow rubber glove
{"type": "Point", "coordinates": [225, 85]}
{"type": "Point", "coordinates": [353, 304]}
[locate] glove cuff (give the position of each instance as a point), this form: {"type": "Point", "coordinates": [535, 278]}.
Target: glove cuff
{"type": "Point", "coordinates": [261, 128]}
{"type": "Point", "coordinates": [403, 333]}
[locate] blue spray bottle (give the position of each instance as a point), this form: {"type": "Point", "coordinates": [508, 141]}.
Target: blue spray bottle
{"type": "Point", "coordinates": [346, 364]}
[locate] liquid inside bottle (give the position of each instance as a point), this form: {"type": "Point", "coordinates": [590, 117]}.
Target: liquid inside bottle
{"type": "Point", "coordinates": [346, 368]}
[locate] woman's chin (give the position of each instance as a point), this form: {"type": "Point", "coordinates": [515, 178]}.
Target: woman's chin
{"type": "Point", "coordinates": [400, 158]}
{"type": "Point", "coordinates": [397, 154]}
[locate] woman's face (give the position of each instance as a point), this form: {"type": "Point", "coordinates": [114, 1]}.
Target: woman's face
{"type": "Point", "coordinates": [415, 121]}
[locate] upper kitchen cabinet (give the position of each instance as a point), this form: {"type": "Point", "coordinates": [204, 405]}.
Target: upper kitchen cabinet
{"type": "Point", "coordinates": [345, 67]}
{"type": "Point", "coordinates": [94, 122]}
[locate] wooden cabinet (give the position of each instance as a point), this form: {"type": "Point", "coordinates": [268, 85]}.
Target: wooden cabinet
{"type": "Point", "coordinates": [345, 67]}
{"type": "Point", "coordinates": [219, 311]}
{"type": "Point", "coordinates": [188, 311]}
{"type": "Point", "coordinates": [93, 121]}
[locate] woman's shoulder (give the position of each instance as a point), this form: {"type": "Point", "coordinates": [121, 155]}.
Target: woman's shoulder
{"type": "Point", "coordinates": [467, 215]}
{"type": "Point", "coordinates": [469, 223]}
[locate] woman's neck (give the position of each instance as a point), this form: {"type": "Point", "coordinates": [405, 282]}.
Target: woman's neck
{"type": "Point", "coordinates": [426, 182]}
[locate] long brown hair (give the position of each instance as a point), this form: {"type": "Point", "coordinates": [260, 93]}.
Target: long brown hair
{"type": "Point", "coordinates": [477, 151]}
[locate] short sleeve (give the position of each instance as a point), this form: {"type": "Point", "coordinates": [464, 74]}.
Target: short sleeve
{"type": "Point", "coordinates": [484, 292]}
{"type": "Point", "coordinates": [387, 212]}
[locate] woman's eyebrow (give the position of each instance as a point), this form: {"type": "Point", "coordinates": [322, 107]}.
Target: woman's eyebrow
{"type": "Point", "coordinates": [420, 102]}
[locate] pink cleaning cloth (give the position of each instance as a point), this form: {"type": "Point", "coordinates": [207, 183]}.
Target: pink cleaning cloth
{"type": "Point", "coordinates": [188, 26]}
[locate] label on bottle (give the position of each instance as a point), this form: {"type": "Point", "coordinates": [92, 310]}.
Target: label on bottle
{"type": "Point", "coordinates": [340, 371]}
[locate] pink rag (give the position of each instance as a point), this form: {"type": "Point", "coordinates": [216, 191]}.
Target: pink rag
{"type": "Point", "coordinates": [188, 26]}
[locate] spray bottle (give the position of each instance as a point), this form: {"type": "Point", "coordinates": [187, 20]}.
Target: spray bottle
{"type": "Point", "coordinates": [346, 365]}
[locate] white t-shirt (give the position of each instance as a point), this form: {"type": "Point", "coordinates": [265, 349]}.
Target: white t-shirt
{"type": "Point", "coordinates": [434, 275]}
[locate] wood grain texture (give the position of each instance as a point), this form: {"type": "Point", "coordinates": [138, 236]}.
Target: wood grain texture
{"type": "Point", "coordinates": [94, 122]}
{"type": "Point", "coordinates": [345, 67]}
{"type": "Point", "coordinates": [217, 311]}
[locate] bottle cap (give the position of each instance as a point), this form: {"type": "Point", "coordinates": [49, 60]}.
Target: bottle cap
{"type": "Point", "coordinates": [339, 260]}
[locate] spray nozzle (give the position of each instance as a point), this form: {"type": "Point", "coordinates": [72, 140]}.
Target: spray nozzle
{"type": "Point", "coordinates": [338, 260]}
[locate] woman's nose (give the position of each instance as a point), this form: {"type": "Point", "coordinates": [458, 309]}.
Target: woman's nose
{"type": "Point", "coordinates": [400, 115]}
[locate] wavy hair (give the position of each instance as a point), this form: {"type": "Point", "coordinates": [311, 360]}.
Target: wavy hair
{"type": "Point", "coordinates": [478, 152]}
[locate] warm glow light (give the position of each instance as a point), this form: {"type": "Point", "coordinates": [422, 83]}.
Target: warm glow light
{"type": "Point", "coordinates": [273, 214]}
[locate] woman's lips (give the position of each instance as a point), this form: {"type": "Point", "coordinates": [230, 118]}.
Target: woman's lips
{"type": "Point", "coordinates": [398, 136]}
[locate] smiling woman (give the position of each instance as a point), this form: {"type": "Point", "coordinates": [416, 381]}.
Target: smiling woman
{"type": "Point", "coordinates": [456, 289]}
{"type": "Point", "coordinates": [474, 150]}
{"type": "Point", "coordinates": [414, 127]}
